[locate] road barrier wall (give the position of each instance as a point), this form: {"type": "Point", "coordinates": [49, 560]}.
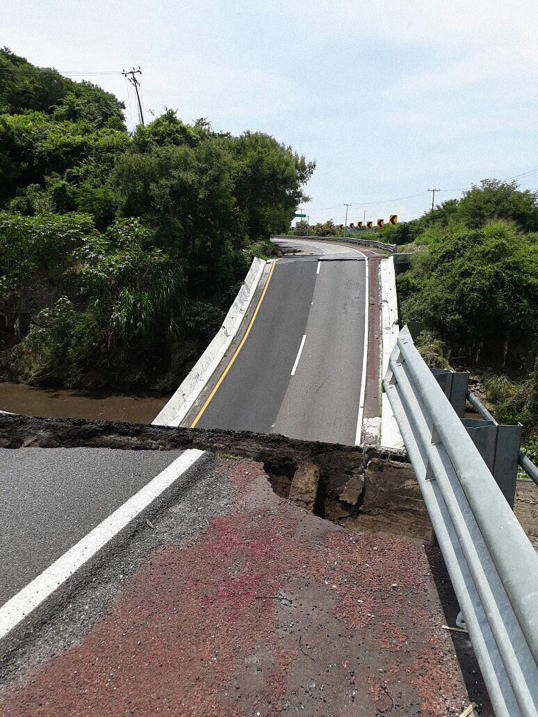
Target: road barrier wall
{"type": "Point", "coordinates": [183, 399]}
{"type": "Point", "coordinates": [390, 433]}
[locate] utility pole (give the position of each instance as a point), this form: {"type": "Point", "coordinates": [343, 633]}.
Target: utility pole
{"type": "Point", "coordinates": [433, 195]}
{"type": "Point", "coordinates": [131, 76]}
{"type": "Point", "coordinates": [346, 205]}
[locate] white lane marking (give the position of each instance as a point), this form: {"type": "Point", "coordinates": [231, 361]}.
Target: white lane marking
{"type": "Point", "coordinates": [39, 589]}
{"type": "Point", "coordinates": [319, 267]}
{"type": "Point", "coordinates": [294, 369]}
{"type": "Point", "coordinates": [358, 432]}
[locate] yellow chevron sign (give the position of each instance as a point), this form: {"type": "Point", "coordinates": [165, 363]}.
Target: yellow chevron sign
{"type": "Point", "coordinates": [359, 224]}
{"type": "Point", "coordinates": [369, 224]}
{"type": "Point", "coordinates": [380, 223]}
{"type": "Point", "coordinates": [393, 219]}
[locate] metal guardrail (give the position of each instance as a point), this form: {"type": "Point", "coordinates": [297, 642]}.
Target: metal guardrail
{"type": "Point", "coordinates": [524, 461]}
{"type": "Point", "coordinates": [352, 240]}
{"type": "Point", "coordinates": [492, 564]}
{"type": "Point", "coordinates": [528, 466]}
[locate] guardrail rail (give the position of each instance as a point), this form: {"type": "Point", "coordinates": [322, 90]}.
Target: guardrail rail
{"type": "Point", "coordinates": [492, 565]}
{"type": "Point", "coordinates": [392, 248]}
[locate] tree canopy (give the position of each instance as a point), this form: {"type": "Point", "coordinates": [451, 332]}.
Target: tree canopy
{"type": "Point", "coordinates": [491, 199]}
{"type": "Point", "coordinates": [119, 253]}
{"type": "Point", "coordinates": [477, 289]}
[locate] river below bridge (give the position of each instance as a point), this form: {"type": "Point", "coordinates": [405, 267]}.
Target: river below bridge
{"type": "Point", "coordinates": [72, 403]}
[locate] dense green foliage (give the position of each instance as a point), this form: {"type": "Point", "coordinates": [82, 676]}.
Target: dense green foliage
{"type": "Point", "coordinates": [321, 229]}
{"type": "Point", "coordinates": [472, 291]}
{"type": "Point", "coordinates": [491, 200]}
{"type": "Point", "coordinates": [119, 254]}
{"type": "Point", "coordinates": [477, 289]}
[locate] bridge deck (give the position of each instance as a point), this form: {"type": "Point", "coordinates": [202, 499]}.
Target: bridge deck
{"type": "Point", "coordinates": [239, 602]}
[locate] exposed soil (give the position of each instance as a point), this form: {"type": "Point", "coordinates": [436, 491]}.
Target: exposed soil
{"type": "Point", "coordinates": [372, 490]}
{"type": "Point", "coordinates": [526, 509]}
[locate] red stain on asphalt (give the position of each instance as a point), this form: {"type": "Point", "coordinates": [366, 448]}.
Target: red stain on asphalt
{"type": "Point", "coordinates": [247, 619]}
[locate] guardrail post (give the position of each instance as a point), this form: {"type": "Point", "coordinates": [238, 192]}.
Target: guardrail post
{"type": "Point", "coordinates": [455, 385]}
{"type": "Point", "coordinates": [499, 447]}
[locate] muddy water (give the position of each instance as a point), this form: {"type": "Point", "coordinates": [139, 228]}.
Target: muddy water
{"type": "Point", "coordinates": [19, 398]}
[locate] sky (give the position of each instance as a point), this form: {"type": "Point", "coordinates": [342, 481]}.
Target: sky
{"type": "Point", "coordinates": [389, 98]}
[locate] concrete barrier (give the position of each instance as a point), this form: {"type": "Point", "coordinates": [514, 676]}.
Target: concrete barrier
{"type": "Point", "coordinates": [390, 433]}
{"type": "Point", "coordinates": [183, 399]}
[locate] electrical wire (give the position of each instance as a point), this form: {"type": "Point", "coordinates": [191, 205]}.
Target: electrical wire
{"type": "Point", "coordinates": [71, 73]}
{"type": "Point", "coordinates": [130, 102]}
{"type": "Point", "coordinates": [394, 199]}
{"type": "Point", "coordinates": [419, 194]}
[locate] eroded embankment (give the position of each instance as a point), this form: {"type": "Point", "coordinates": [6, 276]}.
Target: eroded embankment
{"type": "Point", "coordinates": [362, 490]}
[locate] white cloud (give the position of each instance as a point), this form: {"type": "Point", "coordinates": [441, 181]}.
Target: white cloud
{"type": "Point", "coordinates": [445, 23]}
{"type": "Point", "coordinates": [508, 64]}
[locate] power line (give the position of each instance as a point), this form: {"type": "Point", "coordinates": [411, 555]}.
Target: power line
{"type": "Point", "coordinates": [394, 199]}
{"type": "Point", "coordinates": [421, 194]}
{"type": "Point", "coordinates": [70, 72]}
{"type": "Point", "coordinates": [523, 174]}
{"type": "Point", "coordinates": [131, 76]}
{"type": "Point", "coordinates": [433, 195]}
{"type": "Point", "coordinates": [377, 201]}
{"type": "Point", "coordinates": [80, 73]}
{"type": "Point", "coordinates": [129, 101]}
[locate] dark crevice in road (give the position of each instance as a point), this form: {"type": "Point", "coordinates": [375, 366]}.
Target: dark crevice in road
{"type": "Point", "coordinates": [360, 490]}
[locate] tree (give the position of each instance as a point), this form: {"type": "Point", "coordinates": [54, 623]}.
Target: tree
{"type": "Point", "coordinates": [269, 178]}
{"type": "Point", "coordinates": [119, 255]}
{"type": "Point", "coordinates": [494, 199]}
{"type": "Point", "coordinates": [25, 87]}
{"type": "Point", "coordinates": [477, 289]}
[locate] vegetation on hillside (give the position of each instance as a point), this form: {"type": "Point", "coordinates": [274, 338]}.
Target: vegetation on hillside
{"type": "Point", "coordinates": [471, 293]}
{"type": "Point", "coordinates": [120, 253]}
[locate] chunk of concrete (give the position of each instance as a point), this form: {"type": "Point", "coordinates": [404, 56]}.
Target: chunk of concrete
{"type": "Point", "coordinates": [304, 486]}
{"type": "Point", "coordinates": [352, 490]}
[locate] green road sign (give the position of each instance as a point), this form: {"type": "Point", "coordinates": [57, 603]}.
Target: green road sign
{"type": "Point", "coordinates": [300, 215]}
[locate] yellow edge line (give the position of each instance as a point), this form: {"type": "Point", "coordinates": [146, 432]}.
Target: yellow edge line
{"type": "Point", "coordinates": [229, 366]}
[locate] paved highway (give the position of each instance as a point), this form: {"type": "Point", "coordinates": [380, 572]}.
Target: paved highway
{"type": "Point", "coordinates": [300, 370]}
{"type": "Point", "coordinates": [52, 497]}
{"type": "Point", "coordinates": [298, 373]}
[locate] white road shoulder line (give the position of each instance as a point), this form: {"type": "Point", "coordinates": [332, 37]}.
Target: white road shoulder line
{"type": "Point", "coordinates": [294, 369]}
{"type": "Point", "coordinates": [319, 267]}
{"type": "Point", "coordinates": [39, 589]}
{"type": "Point", "coordinates": [362, 396]}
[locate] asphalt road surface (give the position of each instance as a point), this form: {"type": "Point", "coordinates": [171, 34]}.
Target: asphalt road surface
{"type": "Point", "coordinates": [52, 497]}
{"type": "Point", "coordinates": [299, 372]}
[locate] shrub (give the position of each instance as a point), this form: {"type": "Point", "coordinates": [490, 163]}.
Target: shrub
{"type": "Point", "coordinates": [43, 353]}
{"type": "Point", "coordinates": [432, 350]}
{"type": "Point", "coordinates": [478, 291]}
